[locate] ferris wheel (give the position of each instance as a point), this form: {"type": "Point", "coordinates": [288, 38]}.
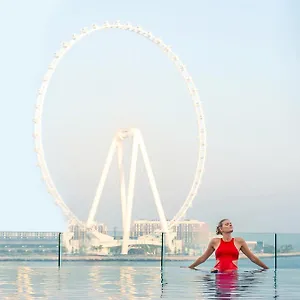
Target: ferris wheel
{"type": "Point", "coordinates": [66, 46]}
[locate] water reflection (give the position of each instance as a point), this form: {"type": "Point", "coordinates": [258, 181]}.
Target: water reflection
{"type": "Point", "coordinates": [95, 278]}
{"type": "Point", "coordinates": [275, 284]}
{"type": "Point", "coordinates": [163, 283]}
{"type": "Point", "coordinates": [131, 282]}
{"type": "Point", "coordinates": [24, 282]}
{"type": "Point", "coordinates": [124, 282]}
{"type": "Point", "coordinates": [127, 285]}
{"type": "Point", "coordinates": [230, 285]}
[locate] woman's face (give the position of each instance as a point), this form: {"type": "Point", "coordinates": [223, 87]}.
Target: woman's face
{"type": "Point", "coordinates": [226, 227]}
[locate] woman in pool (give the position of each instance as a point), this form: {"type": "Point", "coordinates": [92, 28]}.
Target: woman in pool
{"type": "Point", "coordinates": [227, 250]}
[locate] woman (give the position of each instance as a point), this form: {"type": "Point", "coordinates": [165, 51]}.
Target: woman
{"type": "Point", "coordinates": [227, 250]}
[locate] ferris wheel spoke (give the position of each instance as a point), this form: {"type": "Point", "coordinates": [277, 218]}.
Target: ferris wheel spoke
{"type": "Point", "coordinates": [154, 189]}
{"type": "Point", "coordinates": [102, 181]}
{"type": "Point", "coordinates": [129, 200]}
{"type": "Point", "coordinates": [122, 181]}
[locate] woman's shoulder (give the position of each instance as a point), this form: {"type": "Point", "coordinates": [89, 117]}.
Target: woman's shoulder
{"type": "Point", "coordinates": [239, 239]}
{"type": "Point", "coordinates": [215, 240]}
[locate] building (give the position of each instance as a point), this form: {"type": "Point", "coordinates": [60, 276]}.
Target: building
{"type": "Point", "coordinates": [144, 227]}
{"type": "Point", "coordinates": [80, 234]}
{"type": "Point", "coordinates": [191, 233]}
{"type": "Point", "coordinates": [28, 243]}
{"type": "Point", "coordinates": [78, 239]}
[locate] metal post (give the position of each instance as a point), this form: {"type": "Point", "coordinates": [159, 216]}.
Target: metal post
{"type": "Point", "coordinates": [59, 249]}
{"type": "Point", "coordinates": [275, 249]}
{"type": "Point", "coordinates": [162, 252]}
{"type": "Point", "coordinates": [115, 232]}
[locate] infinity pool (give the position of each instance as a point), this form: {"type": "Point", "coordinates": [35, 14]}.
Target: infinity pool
{"type": "Point", "coordinates": [126, 280]}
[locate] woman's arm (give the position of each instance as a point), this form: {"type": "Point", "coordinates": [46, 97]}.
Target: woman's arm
{"type": "Point", "coordinates": [209, 251]}
{"type": "Point", "coordinates": [245, 249]}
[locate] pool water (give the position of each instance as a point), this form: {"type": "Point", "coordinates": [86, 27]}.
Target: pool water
{"type": "Point", "coordinates": [133, 280]}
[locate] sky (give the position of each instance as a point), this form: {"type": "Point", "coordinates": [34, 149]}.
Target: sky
{"type": "Point", "coordinates": [243, 57]}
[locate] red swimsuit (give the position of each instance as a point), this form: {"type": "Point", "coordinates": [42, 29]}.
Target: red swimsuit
{"type": "Point", "coordinates": [226, 253]}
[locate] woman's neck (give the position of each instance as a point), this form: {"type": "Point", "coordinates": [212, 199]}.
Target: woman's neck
{"type": "Point", "coordinates": [227, 237]}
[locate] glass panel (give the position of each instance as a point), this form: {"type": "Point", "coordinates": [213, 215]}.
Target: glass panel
{"type": "Point", "coordinates": [28, 246]}
{"type": "Point", "coordinates": [111, 246]}
{"type": "Point", "coordinates": [288, 251]}
{"type": "Point", "coordinates": [185, 247]}
{"type": "Point", "coordinates": [262, 245]}
{"type": "Point", "coordinates": [188, 246]}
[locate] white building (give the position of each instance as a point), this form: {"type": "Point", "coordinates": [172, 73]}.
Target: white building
{"type": "Point", "coordinates": [191, 233]}
{"type": "Point", "coordinates": [79, 233]}
{"type": "Point", "coordinates": [145, 227]}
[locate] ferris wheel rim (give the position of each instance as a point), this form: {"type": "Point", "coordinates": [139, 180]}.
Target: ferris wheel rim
{"type": "Point", "coordinates": [190, 85]}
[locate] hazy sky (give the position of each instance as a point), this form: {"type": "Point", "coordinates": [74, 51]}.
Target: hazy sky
{"type": "Point", "coordinates": [244, 59]}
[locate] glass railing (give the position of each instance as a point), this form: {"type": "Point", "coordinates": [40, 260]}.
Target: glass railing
{"type": "Point", "coordinates": [112, 246]}
{"type": "Point", "coordinates": [158, 249]}
{"type": "Point", "coordinates": [275, 250]}
{"type": "Point", "coordinates": [288, 250]}
{"type": "Point", "coordinates": [29, 246]}
{"type": "Point", "coordinates": [260, 244]}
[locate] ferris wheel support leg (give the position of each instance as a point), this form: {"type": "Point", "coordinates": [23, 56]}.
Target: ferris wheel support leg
{"type": "Point", "coordinates": [122, 182]}
{"type": "Point", "coordinates": [156, 196]}
{"type": "Point", "coordinates": [126, 233]}
{"type": "Point", "coordinates": [99, 190]}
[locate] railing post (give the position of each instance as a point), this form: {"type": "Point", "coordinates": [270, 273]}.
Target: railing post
{"type": "Point", "coordinates": [275, 249]}
{"type": "Point", "coordinates": [59, 249]}
{"type": "Point", "coordinates": [162, 252]}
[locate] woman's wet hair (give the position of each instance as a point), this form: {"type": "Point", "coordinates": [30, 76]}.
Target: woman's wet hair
{"type": "Point", "coordinates": [220, 224]}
